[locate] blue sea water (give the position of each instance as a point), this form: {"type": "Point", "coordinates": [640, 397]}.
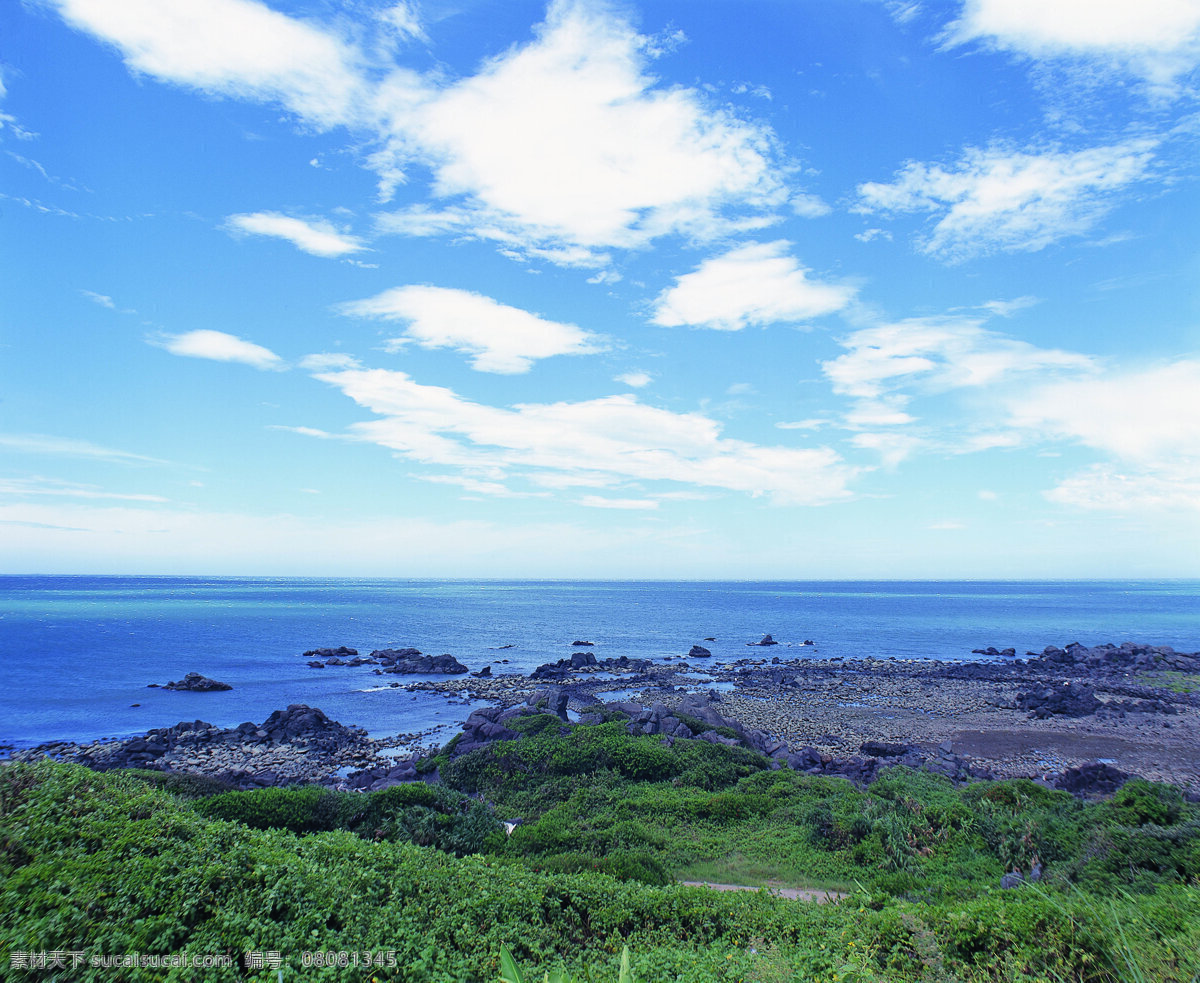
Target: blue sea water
{"type": "Point", "coordinates": [78, 652]}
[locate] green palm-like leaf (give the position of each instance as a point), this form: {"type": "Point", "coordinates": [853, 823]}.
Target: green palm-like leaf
{"type": "Point", "coordinates": [509, 971]}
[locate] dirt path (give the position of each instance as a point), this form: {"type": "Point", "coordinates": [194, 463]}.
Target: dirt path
{"type": "Point", "coordinates": [795, 893]}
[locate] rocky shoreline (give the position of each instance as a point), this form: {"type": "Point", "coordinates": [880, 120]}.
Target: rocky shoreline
{"type": "Point", "coordinates": [1099, 712]}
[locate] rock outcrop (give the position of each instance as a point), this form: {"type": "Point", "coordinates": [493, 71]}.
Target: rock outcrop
{"type": "Point", "coordinates": [193, 682]}
{"type": "Point", "coordinates": [411, 661]}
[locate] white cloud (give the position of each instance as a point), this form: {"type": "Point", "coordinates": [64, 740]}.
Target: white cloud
{"type": "Point", "coordinates": [220, 347]}
{"type": "Point", "coordinates": [614, 438]}
{"type": "Point", "coordinates": [1146, 416]}
{"type": "Point", "coordinates": [605, 277]}
{"type": "Point", "coordinates": [1002, 199]}
{"type": "Point", "coordinates": [868, 235]}
{"type": "Point", "coordinates": [893, 448]}
{"type": "Point", "coordinates": [1105, 489]}
{"type": "Point", "coordinates": [567, 145]}
{"type": "Point", "coordinates": [237, 48]}
{"type": "Point", "coordinates": [754, 284]}
{"type": "Point", "coordinates": [1158, 39]}
{"type": "Point", "coordinates": [558, 149]}
{"type": "Point", "coordinates": [631, 504]}
{"type": "Point", "coordinates": [932, 355]}
{"type": "Point", "coordinates": [403, 19]}
{"type": "Point", "coordinates": [1007, 308]}
{"type": "Point", "coordinates": [324, 361]}
{"type": "Point", "coordinates": [636, 379]}
{"type": "Point", "coordinates": [313, 236]}
{"type": "Point", "coordinates": [101, 299]}
{"type": "Point", "coordinates": [33, 443]}
{"type": "Point", "coordinates": [502, 339]}
{"type": "Point", "coordinates": [810, 424]}
{"type": "Point", "coordinates": [52, 487]}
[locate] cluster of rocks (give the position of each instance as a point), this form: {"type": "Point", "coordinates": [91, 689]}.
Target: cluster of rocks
{"type": "Point", "coordinates": [411, 661]}
{"type": "Point", "coordinates": [1106, 658]}
{"type": "Point", "coordinates": [193, 682]}
{"type": "Point", "coordinates": [300, 743]}
{"type": "Point", "coordinates": [1067, 699]}
{"type": "Point", "coordinates": [586, 660]}
{"type": "Point", "coordinates": [406, 660]}
{"type": "Point", "coordinates": [694, 717]}
{"type": "Point", "coordinates": [1075, 698]}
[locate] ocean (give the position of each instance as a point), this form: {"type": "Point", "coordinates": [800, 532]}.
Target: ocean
{"type": "Point", "coordinates": [78, 653]}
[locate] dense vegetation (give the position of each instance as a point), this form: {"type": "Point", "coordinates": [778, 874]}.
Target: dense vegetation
{"type": "Point", "coordinates": [141, 862]}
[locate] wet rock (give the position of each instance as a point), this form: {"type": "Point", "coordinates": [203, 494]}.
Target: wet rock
{"type": "Point", "coordinates": [327, 653]}
{"type": "Point", "coordinates": [399, 662]}
{"type": "Point", "coordinates": [193, 682]}
{"type": "Point", "coordinates": [698, 652]}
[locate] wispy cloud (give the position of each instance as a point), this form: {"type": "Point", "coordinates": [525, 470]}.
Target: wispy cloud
{"type": "Point", "coordinates": [500, 338]}
{"type": "Point", "coordinates": [1105, 488]}
{"type": "Point", "coordinates": [69, 447]}
{"type": "Point", "coordinates": [102, 300]}
{"type": "Point", "coordinates": [313, 236]}
{"type": "Point", "coordinates": [612, 439]}
{"type": "Point", "coordinates": [37, 487]}
{"type": "Point", "coordinates": [754, 284]}
{"type": "Point", "coordinates": [1007, 200]}
{"type": "Point", "coordinates": [937, 354]}
{"type": "Point", "coordinates": [220, 347]}
{"type": "Point", "coordinates": [628, 504]}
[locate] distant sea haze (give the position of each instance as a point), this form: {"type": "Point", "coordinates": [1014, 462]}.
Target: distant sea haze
{"type": "Point", "coordinates": [79, 651]}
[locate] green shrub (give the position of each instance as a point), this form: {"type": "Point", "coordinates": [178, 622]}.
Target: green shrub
{"type": "Point", "coordinates": [1139, 802]}
{"type": "Point", "coordinates": [301, 809]}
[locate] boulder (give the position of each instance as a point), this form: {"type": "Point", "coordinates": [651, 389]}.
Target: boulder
{"type": "Point", "coordinates": [1067, 699]}
{"type": "Point", "coordinates": [698, 652]}
{"type": "Point", "coordinates": [397, 662]}
{"type": "Point", "coordinates": [193, 682]}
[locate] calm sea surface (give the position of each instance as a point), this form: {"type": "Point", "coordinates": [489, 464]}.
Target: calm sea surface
{"type": "Point", "coordinates": [78, 652]}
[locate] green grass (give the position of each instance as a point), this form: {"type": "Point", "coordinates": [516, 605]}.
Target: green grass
{"type": "Point", "coordinates": [109, 863]}
{"type": "Point", "coordinates": [1172, 679]}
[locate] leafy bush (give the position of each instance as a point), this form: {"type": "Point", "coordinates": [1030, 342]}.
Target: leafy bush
{"type": "Point", "coordinates": [1139, 802]}
{"type": "Point", "coordinates": [301, 809]}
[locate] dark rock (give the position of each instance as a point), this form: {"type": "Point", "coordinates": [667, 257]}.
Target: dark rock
{"type": "Point", "coordinates": [193, 682]}
{"type": "Point", "coordinates": [878, 749]}
{"type": "Point", "coordinates": [582, 644]}
{"type": "Point", "coordinates": [766, 640]}
{"type": "Point", "coordinates": [553, 698]}
{"type": "Point", "coordinates": [1068, 699]}
{"type": "Point", "coordinates": [484, 673]}
{"type": "Point", "coordinates": [698, 652]}
{"type": "Point", "coordinates": [1012, 880]}
{"type": "Point", "coordinates": [329, 653]}
{"type": "Point", "coordinates": [413, 664]}
{"type": "Point", "coordinates": [1091, 780]}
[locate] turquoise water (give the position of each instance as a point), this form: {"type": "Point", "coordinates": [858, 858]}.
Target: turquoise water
{"type": "Point", "coordinates": [79, 651]}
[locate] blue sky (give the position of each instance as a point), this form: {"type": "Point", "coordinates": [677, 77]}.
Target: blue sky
{"type": "Point", "coordinates": [804, 289]}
